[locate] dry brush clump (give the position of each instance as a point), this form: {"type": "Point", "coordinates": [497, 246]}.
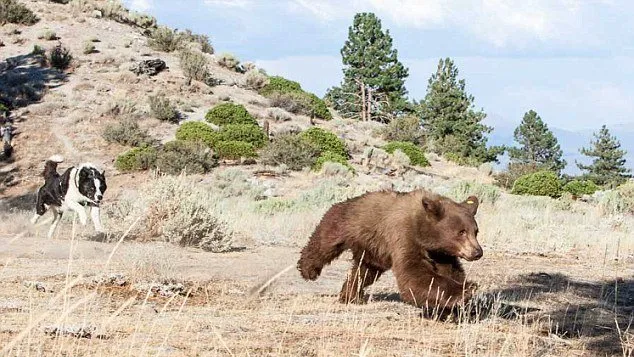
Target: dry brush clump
{"type": "Point", "coordinates": [178, 210]}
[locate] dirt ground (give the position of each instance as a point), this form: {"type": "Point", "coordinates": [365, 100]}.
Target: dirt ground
{"type": "Point", "coordinates": [74, 284]}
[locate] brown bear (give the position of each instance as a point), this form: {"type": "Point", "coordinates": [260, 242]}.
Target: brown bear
{"type": "Point", "coordinates": [419, 235]}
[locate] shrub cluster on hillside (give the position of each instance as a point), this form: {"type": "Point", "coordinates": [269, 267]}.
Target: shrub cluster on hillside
{"type": "Point", "coordinates": [173, 158]}
{"type": "Point", "coordinates": [290, 96]}
{"type": "Point", "coordinates": [199, 132]}
{"type": "Point", "coordinates": [229, 113]}
{"type": "Point", "coordinates": [127, 132]}
{"type": "Point", "coordinates": [162, 109]}
{"type": "Point", "coordinates": [14, 12]}
{"type": "Point", "coordinates": [60, 57]}
{"type": "Point", "coordinates": [326, 141]}
{"type": "Point", "coordinates": [578, 188]}
{"type": "Point", "coordinates": [291, 150]}
{"type": "Point", "coordinates": [415, 153]}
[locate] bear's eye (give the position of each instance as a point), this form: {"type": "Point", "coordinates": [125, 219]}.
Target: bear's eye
{"type": "Point", "coordinates": [463, 232]}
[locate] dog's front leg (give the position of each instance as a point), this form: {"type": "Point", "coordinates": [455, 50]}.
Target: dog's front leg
{"type": "Point", "coordinates": [81, 212]}
{"type": "Point", "coordinates": [96, 219]}
{"type": "Point", "coordinates": [57, 216]}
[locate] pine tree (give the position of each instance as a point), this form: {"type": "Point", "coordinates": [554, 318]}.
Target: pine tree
{"type": "Point", "coordinates": [538, 145]}
{"type": "Point", "coordinates": [608, 164]}
{"type": "Point", "coordinates": [454, 128]}
{"type": "Point", "coordinates": [373, 86]}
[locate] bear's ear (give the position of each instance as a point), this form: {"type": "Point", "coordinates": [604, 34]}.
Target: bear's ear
{"type": "Point", "coordinates": [471, 204]}
{"type": "Point", "coordinates": [433, 207]}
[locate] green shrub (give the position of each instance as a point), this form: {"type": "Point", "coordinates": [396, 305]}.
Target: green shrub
{"type": "Point", "coordinates": [164, 39]}
{"type": "Point", "coordinates": [407, 128]}
{"type": "Point", "coordinates": [176, 157]}
{"type": "Point", "coordinates": [136, 159]}
{"type": "Point", "coordinates": [541, 183]}
{"type": "Point", "coordinates": [280, 84]}
{"type": "Point", "coordinates": [229, 113]}
{"type": "Point", "coordinates": [194, 64]}
{"type": "Point", "coordinates": [249, 133]}
{"type": "Point", "coordinates": [60, 57]}
{"type": "Point", "coordinates": [484, 192]}
{"type": "Point", "coordinates": [326, 141]}
{"type": "Point", "coordinates": [162, 109]}
{"type": "Point", "coordinates": [127, 132]}
{"type": "Point", "coordinates": [38, 50]}
{"type": "Point", "coordinates": [580, 187]}
{"type": "Point", "coordinates": [415, 153]}
{"type": "Point", "coordinates": [292, 150]}
{"type": "Point", "coordinates": [197, 131]}
{"type": "Point", "coordinates": [235, 150]}
{"type": "Point", "coordinates": [14, 12]}
{"type": "Point", "coordinates": [318, 107]}
{"type": "Point", "coordinates": [292, 102]}
{"type": "Point", "coordinates": [329, 156]}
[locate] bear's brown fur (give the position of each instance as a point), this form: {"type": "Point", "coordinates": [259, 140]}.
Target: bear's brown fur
{"type": "Point", "coordinates": [419, 235]}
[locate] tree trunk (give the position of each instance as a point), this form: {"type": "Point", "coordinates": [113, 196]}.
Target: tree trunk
{"type": "Point", "coordinates": [363, 103]}
{"type": "Point", "coordinates": [369, 105]}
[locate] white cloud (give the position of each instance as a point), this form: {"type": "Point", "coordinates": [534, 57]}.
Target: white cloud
{"type": "Point", "coordinates": [499, 22]}
{"type": "Point", "coordinates": [141, 5]}
{"type": "Point", "coordinates": [229, 3]}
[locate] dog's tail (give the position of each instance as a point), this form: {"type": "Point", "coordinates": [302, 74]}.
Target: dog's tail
{"type": "Point", "coordinates": [50, 167]}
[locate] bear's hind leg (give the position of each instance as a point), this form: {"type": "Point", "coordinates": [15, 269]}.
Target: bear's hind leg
{"type": "Point", "coordinates": [360, 277]}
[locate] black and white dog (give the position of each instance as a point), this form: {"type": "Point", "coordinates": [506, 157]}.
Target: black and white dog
{"type": "Point", "coordinates": [77, 187]}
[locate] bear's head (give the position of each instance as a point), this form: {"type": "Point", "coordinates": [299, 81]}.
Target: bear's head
{"type": "Point", "coordinates": [452, 227]}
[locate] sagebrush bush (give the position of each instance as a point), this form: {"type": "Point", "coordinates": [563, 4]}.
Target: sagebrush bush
{"type": "Point", "coordinates": [194, 64]}
{"type": "Point", "coordinates": [249, 133]}
{"type": "Point", "coordinates": [626, 191]}
{"type": "Point", "coordinates": [48, 35]}
{"type": "Point", "coordinates": [611, 202]}
{"type": "Point", "coordinates": [292, 150]}
{"type": "Point", "coordinates": [580, 187]}
{"type": "Point", "coordinates": [293, 102]}
{"type": "Point", "coordinates": [484, 192]}
{"type": "Point", "coordinates": [179, 211]}
{"type": "Point", "coordinates": [541, 183]}
{"type": "Point", "coordinates": [89, 47]}
{"type": "Point", "coordinates": [407, 128]}
{"type": "Point", "coordinates": [289, 95]}
{"type": "Point", "coordinates": [177, 157]}
{"type": "Point", "coordinates": [229, 61]}
{"type": "Point", "coordinates": [136, 159]}
{"type": "Point", "coordinates": [162, 109]}
{"type": "Point", "coordinates": [38, 50]}
{"type": "Point", "coordinates": [326, 141]}
{"type": "Point", "coordinates": [234, 182]}
{"type": "Point", "coordinates": [278, 114]}
{"type": "Point", "coordinates": [202, 40]}
{"type": "Point", "coordinates": [229, 113]}
{"type": "Point", "coordinates": [329, 156]}
{"type": "Point", "coordinates": [197, 131]}
{"type": "Point", "coordinates": [14, 12]}
{"type": "Point", "coordinates": [165, 39]}
{"type": "Point", "coordinates": [335, 169]}
{"type": "Point", "coordinates": [60, 57]}
{"type": "Point", "coordinates": [415, 153]}
{"type": "Point", "coordinates": [507, 178]}
{"type": "Point", "coordinates": [127, 132]}
{"type": "Point", "coordinates": [255, 79]}
{"type": "Point", "coordinates": [235, 150]}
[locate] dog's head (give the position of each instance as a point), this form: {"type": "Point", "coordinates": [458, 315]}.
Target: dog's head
{"type": "Point", "coordinates": [91, 182]}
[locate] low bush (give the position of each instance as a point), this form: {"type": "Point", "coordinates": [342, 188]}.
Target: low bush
{"type": "Point", "coordinates": [176, 157]}
{"type": "Point", "coordinates": [255, 79]}
{"type": "Point", "coordinates": [626, 191]}
{"type": "Point", "coordinates": [229, 113]}
{"type": "Point", "coordinates": [415, 153]}
{"type": "Point", "coordinates": [60, 57]}
{"type": "Point", "coordinates": [197, 131]}
{"type": "Point", "coordinates": [89, 47]}
{"type": "Point", "coordinates": [250, 133]}
{"type": "Point", "coordinates": [507, 178]}
{"type": "Point", "coordinates": [278, 115]}
{"type": "Point", "coordinates": [291, 150]}
{"type": "Point", "coordinates": [235, 150]}
{"type": "Point", "coordinates": [202, 40]}
{"type": "Point", "coordinates": [38, 50]}
{"type": "Point", "coordinates": [293, 102]}
{"type": "Point", "coordinates": [281, 85]}
{"type": "Point", "coordinates": [484, 192]}
{"type": "Point", "coordinates": [289, 95]}
{"type": "Point", "coordinates": [48, 35]}
{"type": "Point", "coordinates": [229, 61]}
{"type": "Point", "coordinates": [407, 128]}
{"type": "Point", "coordinates": [127, 132]}
{"type": "Point", "coordinates": [329, 156]}
{"type": "Point", "coordinates": [578, 188]}
{"type": "Point", "coordinates": [162, 109]}
{"type": "Point", "coordinates": [194, 64]}
{"type": "Point", "coordinates": [164, 39]}
{"type": "Point", "coordinates": [14, 12]}
{"type": "Point", "coordinates": [326, 141]}
{"type": "Point", "coordinates": [541, 183]}
{"type": "Point", "coordinates": [136, 159]}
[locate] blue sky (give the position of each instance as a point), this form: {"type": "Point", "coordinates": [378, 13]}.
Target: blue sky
{"type": "Point", "coordinates": [572, 61]}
